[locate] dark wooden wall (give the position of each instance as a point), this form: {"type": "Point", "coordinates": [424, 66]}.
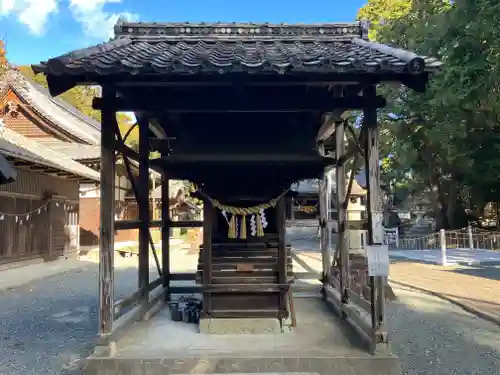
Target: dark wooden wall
{"type": "Point", "coordinates": [46, 234]}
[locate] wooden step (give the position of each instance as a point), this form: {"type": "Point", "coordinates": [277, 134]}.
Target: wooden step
{"type": "Point", "coordinates": [237, 260]}
{"type": "Point", "coordinates": [245, 313]}
{"type": "Point", "coordinates": [225, 267]}
{"type": "Point", "coordinates": [257, 273]}
{"type": "Point", "coordinates": [245, 245]}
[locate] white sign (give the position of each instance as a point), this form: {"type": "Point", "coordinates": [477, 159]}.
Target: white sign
{"type": "Point", "coordinates": [378, 260]}
{"type": "Point", "coordinates": [404, 215]}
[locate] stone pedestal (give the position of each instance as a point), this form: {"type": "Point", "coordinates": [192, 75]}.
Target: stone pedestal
{"type": "Point", "coordinates": [237, 326]}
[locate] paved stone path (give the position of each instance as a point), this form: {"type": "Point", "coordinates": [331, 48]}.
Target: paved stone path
{"type": "Point", "coordinates": [476, 289]}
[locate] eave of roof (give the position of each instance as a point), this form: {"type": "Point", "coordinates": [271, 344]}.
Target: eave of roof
{"type": "Point", "coordinates": [15, 145]}
{"type": "Point", "coordinates": [53, 110]}
{"type": "Point", "coordinates": [151, 49]}
{"type": "Point", "coordinates": [8, 174]}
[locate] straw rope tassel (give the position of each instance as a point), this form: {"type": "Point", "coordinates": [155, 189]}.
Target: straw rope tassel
{"type": "Point", "coordinates": [260, 229]}
{"type": "Point", "coordinates": [232, 227]}
{"type": "Point", "coordinates": [243, 230]}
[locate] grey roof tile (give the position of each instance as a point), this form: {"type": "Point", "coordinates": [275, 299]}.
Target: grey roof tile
{"type": "Point", "coordinates": [15, 145]}
{"type": "Point", "coordinates": [8, 173]}
{"type": "Point", "coordinates": [74, 150]}
{"type": "Point", "coordinates": [55, 110]}
{"type": "Point", "coordinates": [149, 48]}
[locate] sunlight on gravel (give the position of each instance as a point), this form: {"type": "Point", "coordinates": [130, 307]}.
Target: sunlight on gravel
{"type": "Point", "coordinates": [434, 337]}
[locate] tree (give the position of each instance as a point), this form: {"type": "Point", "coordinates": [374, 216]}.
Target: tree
{"type": "Point", "coordinates": [445, 139]}
{"type": "Point", "coordinates": [3, 59]}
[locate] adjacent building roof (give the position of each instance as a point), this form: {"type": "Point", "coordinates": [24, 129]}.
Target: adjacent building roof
{"type": "Point", "coordinates": [180, 48]}
{"type": "Point", "coordinates": [76, 151]}
{"type": "Point", "coordinates": [306, 187]}
{"type": "Point", "coordinates": [54, 110]}
{"type": "Point", "coordinates": [8, 174]}
{"type": "Point", "coordinates": [15, 145]}
{"type": "Point", "coordinates": [173, 189]}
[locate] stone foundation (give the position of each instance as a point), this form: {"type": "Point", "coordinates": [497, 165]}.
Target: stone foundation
{"type": "Point", "coordinates": [236, 326]}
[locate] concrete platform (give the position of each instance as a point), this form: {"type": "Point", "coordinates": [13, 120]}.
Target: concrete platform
{"type": "Point", "coordinates": [250, 326]}
{"type": "Point", "coordinates": [320, 344]}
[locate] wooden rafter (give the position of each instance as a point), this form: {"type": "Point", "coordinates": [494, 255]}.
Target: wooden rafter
{"type": "Point", "coordinates": [238, 103]}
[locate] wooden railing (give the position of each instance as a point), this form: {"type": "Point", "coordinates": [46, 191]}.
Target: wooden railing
{"type": "Point", "coordinates": [355, 304]}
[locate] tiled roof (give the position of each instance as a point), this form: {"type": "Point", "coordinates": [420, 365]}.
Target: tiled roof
{"type": "Point", "coordinates": [74, 150]}
{"type": "Point", "coordinates": [150, 48]}
{"type": "Point", "coordinates": [15, 145]}
{"type": "Point", "coordinates": [173, 189]}
{"type": "Point", "coordinates": [7, 173]}
{"type": "Point", "coordinates": [306, 187]}
{"type": "Point", "coordinates": [55, 110]}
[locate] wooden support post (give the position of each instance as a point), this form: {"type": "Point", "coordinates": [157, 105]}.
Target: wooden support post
{"type": "Point", "coordinates": [375, 211]}
{"type": "Point", "coordinates": [165, 235]}
{"type": "Point", "coordinates": [208, 218]}
{"type": "Point", "coordinates": [107, 232]}
{"type": "Point", "coordinates": [282, 255]}
{"type": "Point", "coordinates": [340, 179]}
{"type": "Point", "coordinates": [50, 208]}
{"type": "Point", "coordinates": [323, 221]}
{"type": "Point", "coordinates": [144, 212]}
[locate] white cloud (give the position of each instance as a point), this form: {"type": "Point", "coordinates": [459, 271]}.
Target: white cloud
{"type": "Point", "coordinates": [32, 13]}
{"type": "Point", "coordinates": [96, 22]}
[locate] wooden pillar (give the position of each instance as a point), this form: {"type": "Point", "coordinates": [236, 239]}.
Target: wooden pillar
{"type": "Point", "coordinates": [325, 256]}
{"type": "Point", "coordinates": [208, 218]}
{"type": "Point", "coordinates": [144, 211]}
{"type": "Point", "coordinates": [323, 215]}
{"type": "Point", "coordinates": [50, 209]}
{"type": "Point", "coordinates": [374, 209]}
{"type": "Point", "coordinates": [340, 182]}
{"type": "Point", "coordinates": [282, 255]}
{"type": "Point", "coordinates": [165, 235]}
{"type": "Point", "coordinates": [107, 232]}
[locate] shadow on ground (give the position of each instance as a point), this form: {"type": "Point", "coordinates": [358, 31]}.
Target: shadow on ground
{"type": "Point", "coordinates": [491, 272]}
{"type": "Point", "coordinates": [434, 337]}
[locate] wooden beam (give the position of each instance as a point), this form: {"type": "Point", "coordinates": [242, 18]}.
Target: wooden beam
{"type": "Point", "coordinates": [135, 297]}
{"type": "Point", "coordinates": [157, 129]}
{"type": "Point", "coordinates": [375, 213]}
{"type": "Point", "coordinates": [165, 234]}
{"type": "Point", "coordinates": [135, 224]}
{"type": "Point", "coordinates": [324, 228]}
{"type": "Point", "coordinates": [207, 256]}
{"type": "Point", "coordinates": [328, 127]}
{"type": "Point", "coordinates": [144, 214]}
{"type": "Point", "coordinates": [282, 252]}
{"type": "Point", "coordinates": [107, 206]}
{"type": "Point", "coordinates": [234, 158]}
{"type": "Point", "coordinates": [241, 103]}
{"type": "Point", "coordinates": [340, 176]}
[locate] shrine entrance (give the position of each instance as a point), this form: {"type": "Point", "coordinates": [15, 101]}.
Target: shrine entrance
{"type": "Point", "coordinates": [242, 111]}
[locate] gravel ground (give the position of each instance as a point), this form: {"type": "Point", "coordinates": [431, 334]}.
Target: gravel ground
{"type": "Point", "coordinates": [435, 337]}
{"type": "Point", "coordinates": [47, 325]}
{"type": "Point", "coordinates": [44, 326]}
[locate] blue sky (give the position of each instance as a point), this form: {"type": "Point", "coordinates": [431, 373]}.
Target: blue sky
{"type": "Point", "coordinates": [35, 30]}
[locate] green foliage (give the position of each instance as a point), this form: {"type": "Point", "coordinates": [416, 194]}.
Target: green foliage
{"type": "Point", "coordinates": [444, 143]}
{"type": "Point", "coordinates": [3, 59]}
